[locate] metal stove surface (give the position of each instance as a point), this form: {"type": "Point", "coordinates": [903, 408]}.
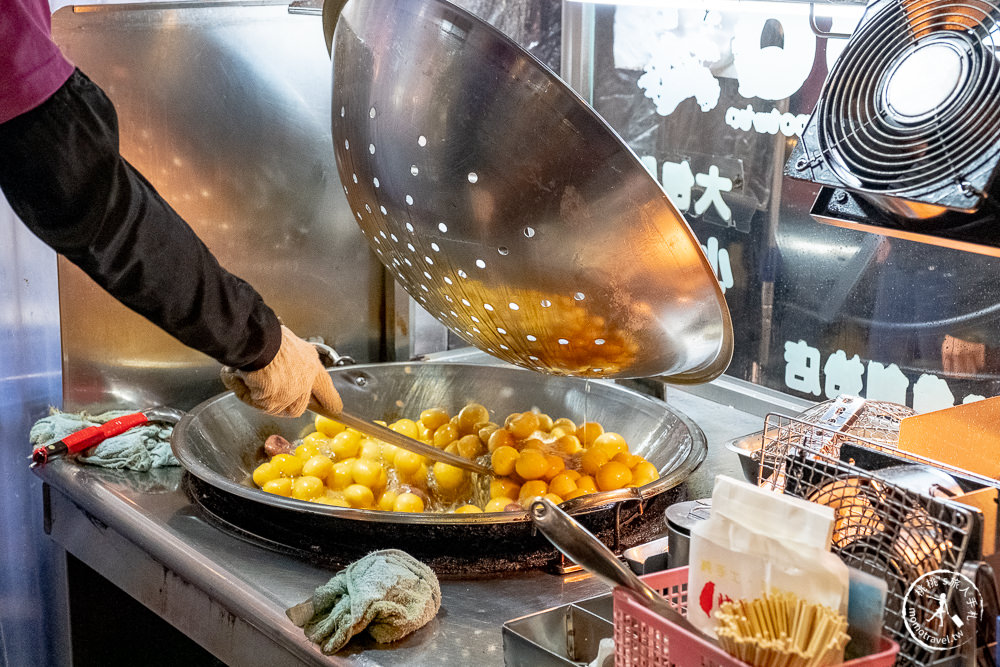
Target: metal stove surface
{"type": "Point", "coordinates": [142, 532]}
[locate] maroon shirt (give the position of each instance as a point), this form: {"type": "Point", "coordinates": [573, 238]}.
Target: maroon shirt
{"type": "Point", "coordinates": [31, 65]}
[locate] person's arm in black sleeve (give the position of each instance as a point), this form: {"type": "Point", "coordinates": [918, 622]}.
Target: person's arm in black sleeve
{"type": "Point", "coordinates": [62, 173]}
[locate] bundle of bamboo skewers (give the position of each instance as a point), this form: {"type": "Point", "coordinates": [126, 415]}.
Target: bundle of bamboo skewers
{"type": "Point", "coordinates": [781, 630]}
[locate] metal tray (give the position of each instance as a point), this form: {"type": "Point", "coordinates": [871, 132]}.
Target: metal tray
{"type": "Point", "coordinates": [564, 636]}
{"type": "Point", "coordinates": [649, 557]}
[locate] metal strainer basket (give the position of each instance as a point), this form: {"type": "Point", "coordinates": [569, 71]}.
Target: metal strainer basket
{"type": "Point", "coordinates": [507, 207]}
{"type": "Point", "coordinates": [876, 423]}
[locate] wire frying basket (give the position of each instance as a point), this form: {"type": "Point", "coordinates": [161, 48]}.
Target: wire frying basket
{"type": "Point", "coordinates": [874, 421]}
{"type": "Point", "coordinates": [881, 528]}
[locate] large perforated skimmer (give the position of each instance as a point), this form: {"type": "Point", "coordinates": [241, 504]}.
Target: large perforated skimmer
{"type": "Point", "coordinates": [507, 207]}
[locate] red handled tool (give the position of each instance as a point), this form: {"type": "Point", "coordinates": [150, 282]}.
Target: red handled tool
{"type": "Point", "coordinates": [94, 435]}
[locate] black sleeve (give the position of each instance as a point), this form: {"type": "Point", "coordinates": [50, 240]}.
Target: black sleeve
{"type": "Point", "coordinates": [61, 171]}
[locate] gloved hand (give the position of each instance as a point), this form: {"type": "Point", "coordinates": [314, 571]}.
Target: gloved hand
{"type": "Point", "coordinates": [285, 386]}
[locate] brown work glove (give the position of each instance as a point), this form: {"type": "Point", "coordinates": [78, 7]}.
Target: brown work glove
{"type": "Point", "coordinates": [285, 386]}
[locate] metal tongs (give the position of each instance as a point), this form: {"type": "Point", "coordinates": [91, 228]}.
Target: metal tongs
{"type": "Point", "coordinates": [579, 545]}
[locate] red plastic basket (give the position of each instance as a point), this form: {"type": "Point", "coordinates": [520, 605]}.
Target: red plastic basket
{"type": "Point", "coordinates": [646, 639]}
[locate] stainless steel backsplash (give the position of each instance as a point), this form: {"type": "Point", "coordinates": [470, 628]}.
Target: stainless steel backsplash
{"type": "Point", "coordinates": [225, 109]}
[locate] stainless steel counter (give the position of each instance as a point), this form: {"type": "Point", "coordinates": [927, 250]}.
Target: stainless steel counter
{"type": "Point", "coordinates": [142, 533]}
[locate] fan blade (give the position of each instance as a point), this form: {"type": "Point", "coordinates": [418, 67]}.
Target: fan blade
{"type": "Point", "coordinates": [926, 17]}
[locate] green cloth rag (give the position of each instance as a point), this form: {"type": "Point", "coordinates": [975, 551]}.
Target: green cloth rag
{"type": "Point", "coordinates": [389, 593]}
{"type": "Point", "coordinates": [140, 448]}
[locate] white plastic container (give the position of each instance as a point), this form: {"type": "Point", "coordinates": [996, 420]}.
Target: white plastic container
{"type": "Point", "coordinates": [757, 541]}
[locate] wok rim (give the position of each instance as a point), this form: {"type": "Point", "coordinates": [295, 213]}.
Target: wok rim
{"type": "Point", "coordinates": [697, 452]}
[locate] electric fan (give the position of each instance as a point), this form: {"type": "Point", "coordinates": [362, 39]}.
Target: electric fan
{"type": "Point", "coordinates": [905, 136]}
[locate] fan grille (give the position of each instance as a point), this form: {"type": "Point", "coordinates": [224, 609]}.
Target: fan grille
{"type": "Point", "coordinates": [913, 103]}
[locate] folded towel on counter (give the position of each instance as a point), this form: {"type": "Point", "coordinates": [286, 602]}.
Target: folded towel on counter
{"type": "Point", "coordinates": [140, 448]}
{"type": "Point", "coordinates": [389, 593]}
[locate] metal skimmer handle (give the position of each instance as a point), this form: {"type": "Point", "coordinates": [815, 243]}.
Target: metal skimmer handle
{"type": "Point", "coordinates": [386, 434]}
{"type": "Point", "coordinates": [580, 546]}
